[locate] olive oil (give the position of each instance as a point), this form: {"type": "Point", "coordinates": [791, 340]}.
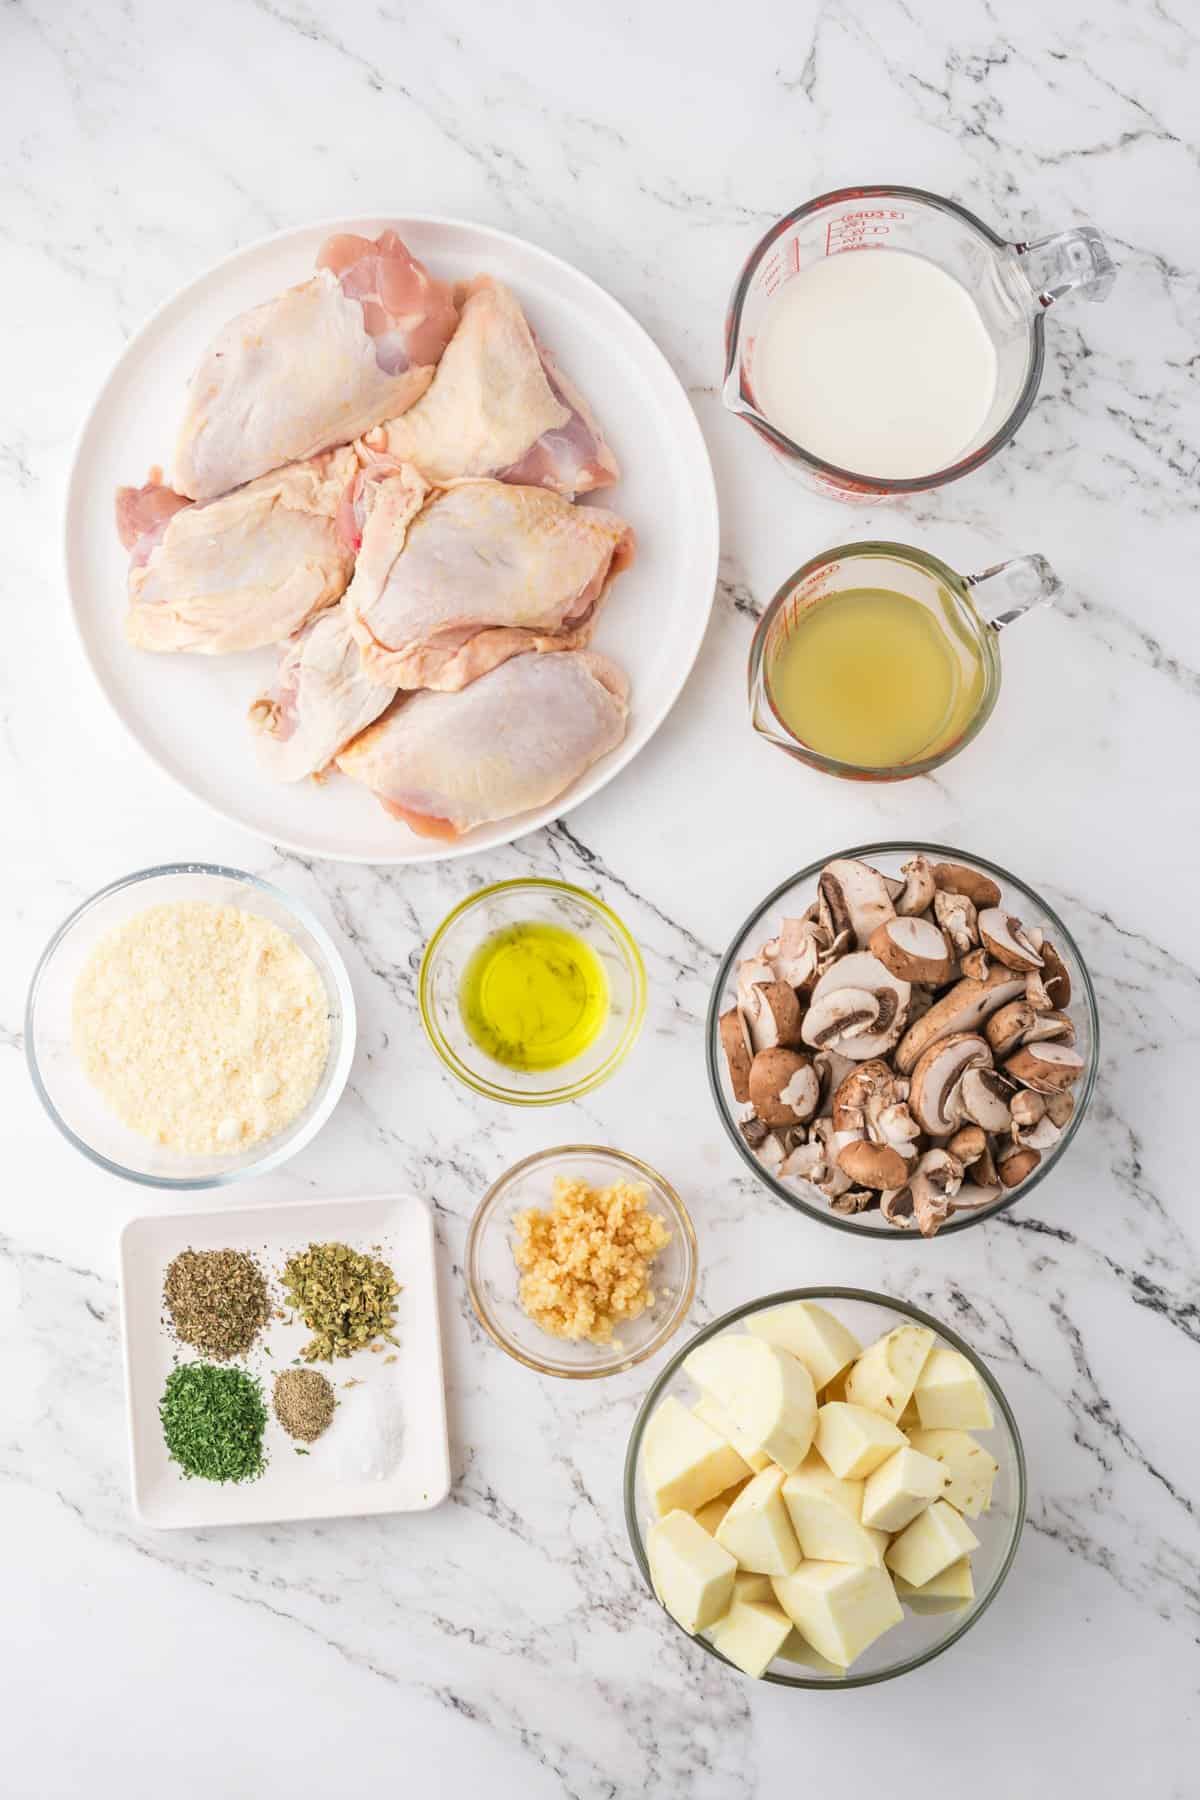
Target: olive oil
{"type": "Point", "coordinates": [534, 996]}
{"type": "Point", "coordinates": [874, 678]}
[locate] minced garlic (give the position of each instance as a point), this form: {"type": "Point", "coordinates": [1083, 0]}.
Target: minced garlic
{"type": "Point", "coordinates": [586, 1263]}
{"type": "Point", "coordinates": [205, 1028]}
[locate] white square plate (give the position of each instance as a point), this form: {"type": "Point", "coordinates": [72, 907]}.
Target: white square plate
{"type": "Point", "coordinates": [292, 1486]}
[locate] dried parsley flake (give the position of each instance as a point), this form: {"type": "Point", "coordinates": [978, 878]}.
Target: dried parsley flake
{"type": "Point", "coordinates": [213, 1421]}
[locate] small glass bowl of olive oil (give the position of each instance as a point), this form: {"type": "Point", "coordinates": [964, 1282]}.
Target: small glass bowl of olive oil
{"type": "Point", "coordinates": [532, 992]}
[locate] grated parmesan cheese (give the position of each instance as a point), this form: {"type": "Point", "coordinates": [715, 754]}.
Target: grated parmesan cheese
{"type": "Point", "coordinates": [205, 1028]}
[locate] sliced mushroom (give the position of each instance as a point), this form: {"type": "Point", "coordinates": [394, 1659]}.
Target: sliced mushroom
{"type": "Point", "coordinates": [1006, 1029]}
{"type": "Point", "coordinates": [913, 949]}
{"type": "Point", "coordinates": [976, 964]}
{"type": "Point", "coordinates": [1027, 1108]}
{"type": "Point", "coordinates": [933, 1091]}
{"type": "Point", "coordinates": [964, 1007]}
{"type": "Point", "coordinates": [984, 1098]}
{"type": "Point", "coordinates": [1015, 1163]}
{"type": "Point", "coordinates": [754, 1132]}
{"type": "Point", "coordinates": [834, 1181]}
{"type": "Point", "coordinates": [1051, 1025]}
{"type": "Point", "coordinates": [1037, 993]}
{"type": "Point", "coordinates": [1040, 1136]}
{"type": "Point", "coordinates": [956, 915]}
{"type": "Point", "coordinates": [916, 895]}
{"type": "Point", "coordinates": [968, 1143]}
{"type": "Point", "coordinates": [796, 952]}
{"type": "Point", "coordinates": [956, 878]}
{"type": "Point", "coordinates": [804, 1163]}
{"type": "Point", "coordinates": [1046, 1067]}
{"type": "Point", "coordinates": [855, 895]}
{"type": "Point", "coordinates": [975, 1197]}
{"type": "Point", "coordinates": [1060, 1106]}
{"type": "Point", "coordinates": [739, 1052]}
{"type": "Point", "coordinates": [934, 1182]}
{"type": "Point", "coordinates": [897, 1207]}
{"type": "Point", "coordinates": [982, 1172]}
{"type": "Point", "coordinates": [855, 1036]}
{"type": "Point", "coordinates": [751, 972]}
{"type": "Point", "coordinates": [873, 1165]}
{"type": "Point", "coordinates": [854, 1200]}
{"type": "Point", "coordinates": [1055, 976]}
{"type": "Point", "coordinates": [832, 1068]}
{"type": "Point", "coordinates": [784, 1087]}
{"type": "Point", "coordinates": [773, 1015]}
{"type": "Point", "coordinates": [772, 1154]}
{"type": "Point", "coordinates": [1006, 939]}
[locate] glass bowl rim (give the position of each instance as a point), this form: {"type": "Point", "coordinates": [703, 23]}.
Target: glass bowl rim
{"type": "Point", "coordinates": [494, 1090]}
{"type": "Point", "coordinates": [988, 639]}
{"type": "Point", "coordinates": [908, 1311]}
{"type": "Point", "coordinates": [878, 484]}
{"type": "Point", "coordinates": [682, 1223]}
{"type": "Point", "coordinates": [342, 1056]}
{"type": "Point", "coordinates": [826, 1216]}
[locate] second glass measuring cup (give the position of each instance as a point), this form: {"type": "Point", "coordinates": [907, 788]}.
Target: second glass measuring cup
{"type": "Point", "coordinates": [883, 340]}
{"type": "Point", "coordinates": [875, 662]}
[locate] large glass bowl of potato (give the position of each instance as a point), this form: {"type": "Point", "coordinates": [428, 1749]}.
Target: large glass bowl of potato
{"type": "Point", "coordinates": [825, 1488]}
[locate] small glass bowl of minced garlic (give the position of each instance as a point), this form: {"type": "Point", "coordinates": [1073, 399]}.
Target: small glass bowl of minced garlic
{"type": "Point", "coordinates": [532, 992]}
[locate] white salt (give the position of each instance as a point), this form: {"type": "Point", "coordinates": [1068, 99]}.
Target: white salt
{"type": "Point", "coordinates": [367, 1433]}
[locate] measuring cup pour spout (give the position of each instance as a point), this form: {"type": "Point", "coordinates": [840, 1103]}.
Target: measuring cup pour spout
{"type": "Point", "coordinates": [1019, 585]}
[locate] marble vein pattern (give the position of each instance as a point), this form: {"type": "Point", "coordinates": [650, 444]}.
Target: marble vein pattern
{"type": "Point", "coordinates": [505, 1640]}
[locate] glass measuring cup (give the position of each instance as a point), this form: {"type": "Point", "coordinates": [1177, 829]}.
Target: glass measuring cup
{"type": "Point", "coordinates": [1011, 284]}
{"type": "Point", "coordinates": [970, 635]}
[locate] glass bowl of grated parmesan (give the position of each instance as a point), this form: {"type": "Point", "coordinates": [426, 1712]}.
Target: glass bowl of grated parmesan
{"type": "Point", "coordinates": [190, 1025]}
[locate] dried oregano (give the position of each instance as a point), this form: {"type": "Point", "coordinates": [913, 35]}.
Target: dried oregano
{"type": "Point", "coordinates": [344, 1298]}
{"type": "Point", "coordinates": [217, 1301]}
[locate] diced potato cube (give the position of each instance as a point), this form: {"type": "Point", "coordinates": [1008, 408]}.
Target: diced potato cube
{"type": "Point", "coordinates": [885, 1375]}
{"type": "Point", "coordinates": [797, 1650]}
{"type": "Point", "coordinates": [767, 1394]}
{"type": "Point", "coordinates": [950, 1394]}
{"type": "Point", "coordinates": [825, 1517]}
{"type": "Point", "coordinates": [822, 1343]}
{"type": "Point", "coordinates": [901, 1488]}
{"type": "Point", "coordinates": [969, 1470]}
{"type": "Point", "coordinates": [751, 1634]}
{"type": "Point", "coordinates": [684, 1462]}
{"type": "Point", "coordinates": [707, 1409]}
{"type": "Point", "coordinates": [752, 1587]}
{"type": "Point", "coordinates": [854, 1441]}
{"type": "Point", "coordinates": [936, 1538]}
{"type": "Point", "coordinates": [692, 1574]}
{"type": "Point", "coordinates": [840, 1609]}
{"type": "Point", "coordinates": [948, 1592]}
{"type": "Point", "coordinates": [713, 1511]}
{"type": "Point", "coordinates": [756, 1529]}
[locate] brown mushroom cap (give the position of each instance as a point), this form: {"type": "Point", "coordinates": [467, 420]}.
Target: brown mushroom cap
{"type": "Point", "coordinates": [735, 1042]}
{"type": "Point", "coordinates": [964, 1007]}
{"type": "Point", "coordinates": [873, 1165]}
{"type": "Point", "coordinates": [934, 1182]}
{"type": "Point", "coordinates": [933, 1089]}
{"type": "Point", "coordinates": [1006, 939]}
{"type": "Point", "coordinates": [968, 1144]}
{"type": "Point", "coordinates": [956, 878]}
{"type": "Point", "coordinates": [1016, 1164]}
{"type": "Point", "coordinates": [919, 887]}
{"type": "Point", "coordinates": [1006, 1029]}
{"type": "Point", "coordinates": [1045, 1066]}
{"type": "Point", "coordinates": [1055, 976]}
{"type": "Point", "coordinates": [914, 949]}
{"type": "Point", "coordinates": [784, 1089]}
{"type": "Point", "coordinates": [1060, 1106]}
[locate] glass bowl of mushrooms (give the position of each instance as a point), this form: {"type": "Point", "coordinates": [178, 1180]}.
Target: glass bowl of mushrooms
{"type": "Point", "coordinates": [902, 1037]}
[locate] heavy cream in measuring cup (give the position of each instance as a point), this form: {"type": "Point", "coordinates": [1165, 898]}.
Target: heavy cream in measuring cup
{"type": "Point", "coordinates": [876, 361]}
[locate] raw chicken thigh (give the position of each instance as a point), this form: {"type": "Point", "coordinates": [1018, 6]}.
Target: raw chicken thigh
{"type": "Point", "coordinates": [321, 699]}
{"type": "Point", "coordinates": [453, 580]}
{"type": "Point", "coordinates": [498, 406]}
{"type": "Point", "coordinates": [239, 572]}
{"type": "Point", "coordinates": [314, 368]}
{"type": "Point", "coordinates": [515, 739]}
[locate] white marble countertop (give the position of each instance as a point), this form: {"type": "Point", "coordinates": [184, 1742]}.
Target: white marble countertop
{"type": "Point", "coordinates": [505, 1640]}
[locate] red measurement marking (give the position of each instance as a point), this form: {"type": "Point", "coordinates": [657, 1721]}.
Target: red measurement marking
{"type": "Point", "coordinates": [858, 230]}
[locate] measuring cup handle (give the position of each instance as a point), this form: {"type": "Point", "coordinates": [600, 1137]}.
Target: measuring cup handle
{"type": "Point", "coordinates": [1070, 262]}
{"type": "Point", "coordinates": [1019, 585]}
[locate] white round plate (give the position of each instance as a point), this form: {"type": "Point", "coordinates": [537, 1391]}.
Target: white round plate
{"type": "Point", "coordinates": [189, 712]}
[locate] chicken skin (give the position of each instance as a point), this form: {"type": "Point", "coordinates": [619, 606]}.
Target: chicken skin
{"type": "Point", "coordinates": [321, 699]}
{"type": "Point", "coordinates": [515, 739]}
{"type": "Point", "coordinates": [236, 573]}
{"type": "Point", "coordinates": [451, 581]}
{"type": "Point", "coordinates": [314, 368]}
